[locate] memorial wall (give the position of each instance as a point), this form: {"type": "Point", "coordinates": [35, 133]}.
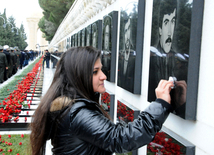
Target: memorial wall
{"type": "Point", "coordinates": [145, 41]}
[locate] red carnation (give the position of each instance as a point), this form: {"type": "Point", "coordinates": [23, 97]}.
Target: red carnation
{"type": "Point", "coordinates": [10, 150]}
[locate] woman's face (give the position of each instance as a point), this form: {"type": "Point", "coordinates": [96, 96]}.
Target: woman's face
{"type": "Point", "coordinates": [98, 77]}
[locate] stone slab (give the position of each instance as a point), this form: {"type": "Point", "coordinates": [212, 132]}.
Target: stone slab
{"type": "Point", "coordinates": [35, 92]}
{"type": "Point", "coordinates": [32, 107]}
{"type": "Point", "coordinates": [34, 98]}
{"type": "Point", "coordinates": [36, 89]}
{"type": "Point", "coordinates": [32, 102]}
{"type": "Point", "coordinates": [21, 124]}
{"type": "Point", "coordinates": [35, 95]}
{"type": "Point", "coordinates": [24, 113]}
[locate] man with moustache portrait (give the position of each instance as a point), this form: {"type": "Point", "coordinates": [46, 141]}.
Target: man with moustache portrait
{"type": "Point", "coordinates": [162, 55]}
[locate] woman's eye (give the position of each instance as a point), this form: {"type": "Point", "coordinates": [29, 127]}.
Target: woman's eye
{"type": "Point", "coordinates": [94, 72]}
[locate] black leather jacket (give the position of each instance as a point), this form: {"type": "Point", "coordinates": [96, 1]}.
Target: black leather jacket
{"type": "Point", "coordinates": [85, 131]}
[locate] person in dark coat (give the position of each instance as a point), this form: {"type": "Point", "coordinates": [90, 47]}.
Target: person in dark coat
{"type": "Point", "coordinates": [22, 58]}
{"type": "Point", "coordinates": [14, 61]}
{"type": "Point", "coordinates": [70, 114]}
{"type": "Point", "coordinates": [6, 52]}
{"type": "Point", "coordinates": [3, 64]}
{"type": "Point", "coordinates": [47, 58]}
{"type": "Point", "coordinates": [18, 54]}
{"type": "Point", "coordinates": [27, 57]}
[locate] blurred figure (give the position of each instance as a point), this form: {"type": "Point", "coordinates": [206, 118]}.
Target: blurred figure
{"type": "Point", "coordinates": [3, 64]}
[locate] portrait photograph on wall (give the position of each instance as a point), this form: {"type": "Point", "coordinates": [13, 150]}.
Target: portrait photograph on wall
{"type": "Point", "coordinates": [174, 50]}
{"type": "Point", "coordinates": [167, 142]}
{"type": "Point", "coordinates": [127, 45]}
{"type": "Point", "coordinates": [79, 38]}
{"type": "Point", "coordinates": [125, 114]}
{"type": "Point", "coordinates": [83, 37]}
{"type": "Point", "coordinates": [68, 43]}
{"type": "Point", "coordinates": [76, 39]}
{"type": "Point", "coordinates": [71, 41]}
{"type": "Point", "coordinates": [88, 35]}
{"type": "Point", "coordinates": [109, 42]}
{"type": "Point", "coordinates": [94, 33]}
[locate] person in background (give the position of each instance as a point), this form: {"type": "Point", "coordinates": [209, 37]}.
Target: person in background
{"type": "Point", "coordinates": [47, 58]}
{"type": "Point", "coordinates": [6, 52]}
{"type": "Point", "coordinates": [22, 58]}
{"type": "Point", "coordinates": [3, 64]}
{"type": "Point", "coordinates": [27, 57]}
{"type": "Point", "coordinates": [70, 114]}
{"type": "Point", "coordinates": [14, 61]}
{"type": "Point", "coordinates": [18, 54]}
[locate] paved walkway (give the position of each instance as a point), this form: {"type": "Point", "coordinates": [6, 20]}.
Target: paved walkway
{"type": "Point", "coordinates": [48, 77]}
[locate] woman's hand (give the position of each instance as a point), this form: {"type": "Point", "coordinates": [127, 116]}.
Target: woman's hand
{"type": "Point", "coordinates": [163, 90]}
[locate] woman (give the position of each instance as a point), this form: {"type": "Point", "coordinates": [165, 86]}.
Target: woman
{"type": "Point", "coordinates": [69, 114]}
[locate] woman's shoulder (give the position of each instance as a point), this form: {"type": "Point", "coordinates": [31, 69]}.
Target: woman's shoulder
{"type": "Point", "coordinates": [82, 103]}
{"type": "Point", "coordinates": [59, 103]}
{"type": "Point", "coordinates": [62, 102]}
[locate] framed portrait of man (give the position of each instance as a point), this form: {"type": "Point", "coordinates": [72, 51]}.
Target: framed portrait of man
{"type": "Point", "coordinates": [83, 37]}
{"type": "Point", "coordinates": [68, 43]}
{"type": "Point", "coordinates": [79, 38]}
{"type": "Point", "coordinates": [88, 35]}
{"type": "Point", "coordinates": [95, 34]}
{"type": "Point", "coordinates": [76, 39]}
{"type": "Point", "coordinates": [109, 42]}
{"type": "Point", "coordinates": [127, 45]}
{"type": "Point", "coordinates": [72, 41]}
{"type": "Point", "coordinates": [173, 38]}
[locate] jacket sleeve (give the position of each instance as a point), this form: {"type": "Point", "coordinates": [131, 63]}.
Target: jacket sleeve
{"type": "Point", "coordinates": [91, 126]}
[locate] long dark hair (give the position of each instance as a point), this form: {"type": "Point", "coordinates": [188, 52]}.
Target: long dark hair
{"type": "Point", "coordinates": [72, 78]}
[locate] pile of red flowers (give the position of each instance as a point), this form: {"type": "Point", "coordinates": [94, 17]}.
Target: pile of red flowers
{"type": "Point", "coordinates": [163, 144]}
{"type": "Point", "coordinates": [124, 112]}
{"type": "Point", "coordinates": [13, 103]}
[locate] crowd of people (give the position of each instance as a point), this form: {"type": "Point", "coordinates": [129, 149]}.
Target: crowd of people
{"type": "Point", "coordinates": [12, 59]}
